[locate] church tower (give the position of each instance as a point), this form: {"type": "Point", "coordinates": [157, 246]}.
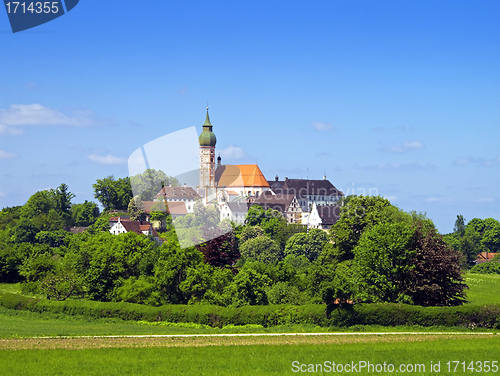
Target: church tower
{"type": "Point", "coordinates": [207, 155]}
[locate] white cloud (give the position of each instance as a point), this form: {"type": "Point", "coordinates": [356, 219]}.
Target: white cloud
{"type": "Point", "coordinates": [405, 146]}
{"type": "Point", "coordinates": [107, 159]}
{"type": "Point", "coordinates": [19, 115]}
{"type": "Point", "coordinates": [7, 155]}
{"type": "Point", "coordinates": [232, 152]}
{"type": "Point", "coordinates": [487, 162]}
{"type": "Point", "coordinates": [10, 131]}
{"type": "Point", "coordinates": [2, 194]}
{"type": "Point", "coordinates": [320, 126]}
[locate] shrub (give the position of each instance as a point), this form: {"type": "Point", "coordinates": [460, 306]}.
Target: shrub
{"type": "Point", "coordinates": [386, 314]}
{"type": "Point", "coordinates": [491, 267]}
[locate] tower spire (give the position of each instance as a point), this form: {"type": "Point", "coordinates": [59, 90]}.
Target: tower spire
{"type": "Point", "coordinates": [207, 120]}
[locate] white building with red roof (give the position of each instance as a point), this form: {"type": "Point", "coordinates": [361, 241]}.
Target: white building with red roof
{"type": "Point", "coordinates": [127, 225]}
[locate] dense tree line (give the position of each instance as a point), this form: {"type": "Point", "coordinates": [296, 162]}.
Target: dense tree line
{"type": "Point", "coordinates": [374, 253]}
{"type": "Point", "coordinates": [478, 235]}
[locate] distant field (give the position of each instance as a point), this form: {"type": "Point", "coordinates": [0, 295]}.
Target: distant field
{"type": "Point", "coordinates": [483, 288]}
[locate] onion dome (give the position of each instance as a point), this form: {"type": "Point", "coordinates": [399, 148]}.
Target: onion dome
{"type": "Point", "coordinates": [207, 137]}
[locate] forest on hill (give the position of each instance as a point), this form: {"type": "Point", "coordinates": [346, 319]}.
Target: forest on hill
{"type": "Point", "coordinates": [375, 252]}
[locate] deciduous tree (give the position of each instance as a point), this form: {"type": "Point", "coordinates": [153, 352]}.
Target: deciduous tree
{"type": "Point", "coordinates": [113, 194]}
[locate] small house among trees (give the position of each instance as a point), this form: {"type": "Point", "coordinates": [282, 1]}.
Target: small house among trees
{"type": "Point", "coordinates": [122, 226]}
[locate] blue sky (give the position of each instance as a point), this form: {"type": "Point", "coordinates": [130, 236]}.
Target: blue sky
{"type": "Point", "coordinates": [399, 98]}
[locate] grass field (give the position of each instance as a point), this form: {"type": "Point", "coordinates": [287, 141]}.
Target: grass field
{"type": "Point", "coordinates": [280, 358]}
{"type": "Point", "coordinates": [22, 355]}
{"type": "Point", "coordinates": [483, 288]}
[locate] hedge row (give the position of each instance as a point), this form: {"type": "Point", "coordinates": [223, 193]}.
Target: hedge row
{"type": "Point", "coordinates": [386, 314]}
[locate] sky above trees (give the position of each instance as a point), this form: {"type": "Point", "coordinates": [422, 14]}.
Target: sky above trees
{"type": "Point", "coordinates": [393, 98]}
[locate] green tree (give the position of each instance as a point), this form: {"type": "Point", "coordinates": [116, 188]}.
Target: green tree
{"type": "Point", "coordinates": [171, 270]}
{"type": "Point", "coordinates": [53, 238]}
{"type": "Point", "coordinates": [113, 194]}
{"type": "Point", "coordinates": [486, 232]}
{"type": "Point", "coordinates": [459, 228]}
{"type": "Point", "coordinates": [261, 248]}
{"type": "Point", "coordinates": [397, 262]}
{"type": "Point", "coordinates": [84, 214]}
{"type": "Point", "coordinates": [273, 224]}
{"type": "Point", "coordinates": [52, 221]}
{"type": "Point", "coordinates": [299, 263]}
{"type": "Point", "coordinates": [284, 293]}
{"type": "Point", "coordinates": [345, 285]}
{"type": "Point", "coordinates": [100, 225]}
{"type": "Point", "coordinates": [136, 209]}
{"type": "Point", "coordinates": [136, 290]}
{"type": "Point", "coordinates": [11, 257]}
{"type": "Point", "coordinates": [24, 231]}
{"type": "Point", "coordinates": [358, 213]}
{"type": "Point", "coordinates": [62, 202]}
{"type": "Point", "coordinates": [249, 288]}
{"type": "Point", "coordinates": [207, 284]}
{"type": "Point", "coordinates": [309, 244]}
{"type": "Point", "coordinates": [38, 265]}
{"type": "Point", "coordinates": [255, 215]}
{"type": "Point", "coordinates": [62, 282]}
{"type": "Point", "coordinates": [383, 258]}
{"type": "Point", "coordinates": [250, 232]}
{"type": "Point", "coordinates": [40, 202]}
{"type": "Point", "coordinates": [150, 182]}
{"type": "Point", "coordinates": [49, 209]}
{"type": "Point", "coordinates": [9, 217]}
{"type": "Point", "coordinates": [107, 260]}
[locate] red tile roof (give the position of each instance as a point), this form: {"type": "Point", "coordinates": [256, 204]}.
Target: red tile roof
{"type": "Point", "coordinates": [485, 257]}
{"type": "Point", "coordinates": [132, 226]}
{"type": "Point", "coordinates": [240, 176]}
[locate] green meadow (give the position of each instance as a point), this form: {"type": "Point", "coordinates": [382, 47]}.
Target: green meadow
{"type": "Point", "coordinates": [483, 288]}
{"type": "Point", "coordinates": [452, 354]}
{"type": "Point", "coordinates": [413, 354]}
